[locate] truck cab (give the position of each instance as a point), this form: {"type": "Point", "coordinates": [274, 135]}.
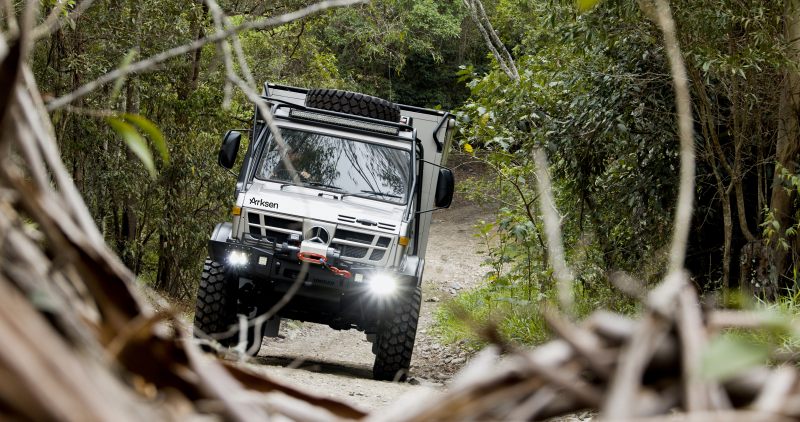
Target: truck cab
{"type": "Point", "coordinates": [330, 222]}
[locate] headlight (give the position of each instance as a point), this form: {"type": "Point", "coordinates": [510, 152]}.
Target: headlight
{"type": "Point", "coordinates": [237, 258]}
{"type": "Point", "coordinates": [382, 284]}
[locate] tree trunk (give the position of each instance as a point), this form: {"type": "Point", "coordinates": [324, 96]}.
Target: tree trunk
{"type": "Point", "coordinates": [726, 253]}
{"type": "Point", "coordinates": [167, 278]}
{"type": "Point", "coordinates": [788, 144]}
{"type": "Point", "coordinates": [129, 227]}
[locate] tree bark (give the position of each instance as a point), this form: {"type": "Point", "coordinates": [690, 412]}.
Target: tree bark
{"type": "Point", "coordinates": [129, 226]}
{"type": "Point", "coordinates": [167, 278]}
{"type": "Point", "coordinates": [788, 143]}
{"type": "Point", "coordinates": [493, 42]}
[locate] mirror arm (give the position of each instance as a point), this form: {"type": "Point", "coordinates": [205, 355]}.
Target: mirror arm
{"type": "Point", "coordinates": [431, 210]}
{"type": "Point", "coordinates": [433, 164]}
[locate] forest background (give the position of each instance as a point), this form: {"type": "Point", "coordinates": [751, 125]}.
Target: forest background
{"type": "Point", "coordinates": [593, 89]}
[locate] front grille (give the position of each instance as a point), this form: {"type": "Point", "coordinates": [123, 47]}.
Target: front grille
{"type": "Point", "coordinates": [353, 251]}
{"type": "Point", "coordinates": [354, 236]}
{"type": "Point", "coordinates": [360, 245]}
{"type": "Point", "coordinates": [270, 228]}
{"type": "Point", "coordinates": [266, 230]}
{"type": "Point", "coordinates": [283, 223]}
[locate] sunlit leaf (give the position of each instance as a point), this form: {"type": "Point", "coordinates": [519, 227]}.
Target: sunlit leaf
{"type": "Point", "coordinates": [145, 125]}
{"type": "Point", "coordinates": [126, 61]}
{"type": "Point", "coordinates": [728, 355]}
{"type": "Point", "coordinates": [135, 142]}
{"type": "Point", "coordinates": [586, 5]}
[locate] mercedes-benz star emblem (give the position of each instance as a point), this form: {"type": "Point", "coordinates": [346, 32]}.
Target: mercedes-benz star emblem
{"type": "Point", "coordinates": [319, 235]}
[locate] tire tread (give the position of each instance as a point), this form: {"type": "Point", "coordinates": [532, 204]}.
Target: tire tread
{"type": "Point", "coordinates": [394, 344]}
{"type": "Point", "coordinates": [353, 103]}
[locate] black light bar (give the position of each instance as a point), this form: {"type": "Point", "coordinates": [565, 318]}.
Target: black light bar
{"type": "Point", "coordinates": [343, 121]}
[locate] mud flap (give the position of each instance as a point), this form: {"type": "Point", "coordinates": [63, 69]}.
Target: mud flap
{"type": "Point", "coordinates": [272, 327]}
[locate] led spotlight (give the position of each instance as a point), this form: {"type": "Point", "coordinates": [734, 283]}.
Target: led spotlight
{"type": "Point", "coordinates": [237, 258]}
{"type": "Point", "coordinates": [382, 284]}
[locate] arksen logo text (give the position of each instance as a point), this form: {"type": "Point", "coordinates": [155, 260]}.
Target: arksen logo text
{"type": "Point", "coordinates": [262, 203]}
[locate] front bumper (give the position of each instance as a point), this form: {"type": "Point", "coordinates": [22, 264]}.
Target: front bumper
{"type": "Point", "coordinates": [321, 296]}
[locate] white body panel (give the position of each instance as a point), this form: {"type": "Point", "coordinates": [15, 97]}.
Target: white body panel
{"type": "Point", "coordinates": [309, 207]}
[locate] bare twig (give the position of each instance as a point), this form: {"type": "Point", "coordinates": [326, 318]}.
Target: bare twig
{"type": "Point", "coordinates": [697, 392]}
{"type": "Point", "coordinates": [629, 285]}
{"type": "Point", "coordinates": [777, 390]}
{"type": "Point", "coordinates": [53, 23]}
{"type": "Point", "coordinates": [632, 362]}
{"type": "Point", "coordinates": [683, 213]}
{"type": "Point", "coordinates": [151, 62]}
{"type": "Point", "coordinates": [552, 228]}
{"type": "Point", "coordinates": [496, 46]}
{"type": "Point", "coordinates": [585, 343]}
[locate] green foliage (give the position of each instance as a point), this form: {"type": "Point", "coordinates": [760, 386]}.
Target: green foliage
{"type": "Point", "coordinates": [128, 126]}
{"type": "Point", "coordinates": [771, 227]}
{"type": "Point", "coordinates": [775, 334]}
{"type": "Point", "coordinates": [587, 103]}
{"type": "Point", "coordinates": [135, 142]}
{"type": "Point", "coordinates": [729, 355]}
{"type": "Point", "coordinates": [160, 224]}
{"type": "Point", "coordinates": [152, 131]}
{"type": "Point", "coordinates": [515, 308]}
{"type": "Point", "coordinates": [586, 5]}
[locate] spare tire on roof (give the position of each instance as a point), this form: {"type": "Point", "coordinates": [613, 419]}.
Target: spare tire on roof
{"type": "Point", "coordinates": [353, 103]}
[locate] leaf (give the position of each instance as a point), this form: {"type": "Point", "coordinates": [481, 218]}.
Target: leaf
{"type": "Point", "coordinates": [728, 355]}
{"type": "Point", "coordinates": [152, 131]}
{"type": "Point", "coordinates": [135, 142]}
{"type": "Point", "coordinates": [126, 61]}
{"type": "Point", "coordinates": [586, 5]}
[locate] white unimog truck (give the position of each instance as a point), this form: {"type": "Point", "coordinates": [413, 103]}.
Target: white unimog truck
{"type": "Point", "coordinates": [338, 219]}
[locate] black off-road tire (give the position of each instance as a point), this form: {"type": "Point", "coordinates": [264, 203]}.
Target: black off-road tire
{"type": "Point", "coordinates": [215, 309]}
{"type": "Point", "coordinates": [353, 103]}
{"type": "Point", "coordinates": [394, 342]}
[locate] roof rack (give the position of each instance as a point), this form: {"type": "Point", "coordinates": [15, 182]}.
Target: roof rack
{"type": "Point", "coordinates": [339, 119]}
{"type": "Point", "coordinates": [422, 110]}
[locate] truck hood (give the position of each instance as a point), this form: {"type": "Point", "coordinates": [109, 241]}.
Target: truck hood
{"type": "Point", "coordinates": [307, 203]}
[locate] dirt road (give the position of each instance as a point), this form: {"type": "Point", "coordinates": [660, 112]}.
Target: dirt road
{"type": "Point", "coordinates": [339, 363]}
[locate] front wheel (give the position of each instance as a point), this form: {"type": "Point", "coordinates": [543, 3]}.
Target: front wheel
{"type": "Point", "coordinates": [215, 315]}
{"type": "Point", "coordinates": [394, 342]}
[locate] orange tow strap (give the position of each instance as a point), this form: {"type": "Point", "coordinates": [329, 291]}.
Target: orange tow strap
{"type": "Point", "coordinates": [315, 258]}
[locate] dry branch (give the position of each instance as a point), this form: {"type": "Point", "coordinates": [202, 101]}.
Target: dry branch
{"type": "Point", "coordinates": [683, 103]}
{"type": "Point", "coordinates": [151, 62]}
{"type": "Point", "coordinates": [552, 229]}
{"type": "Point", "coordinates": [81, 344]}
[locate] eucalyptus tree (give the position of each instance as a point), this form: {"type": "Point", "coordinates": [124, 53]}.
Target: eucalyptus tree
{"type": "Point", "coordinates": [594, 90]}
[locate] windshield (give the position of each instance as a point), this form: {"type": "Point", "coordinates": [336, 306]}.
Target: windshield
{"type": "Point", "coordinates": [342, 165]}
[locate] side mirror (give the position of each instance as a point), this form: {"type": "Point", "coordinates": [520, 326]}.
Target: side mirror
{"type": "Point", "coordinates": [444, 189]}
{"type": "Point", "coordinates": [229, 149]}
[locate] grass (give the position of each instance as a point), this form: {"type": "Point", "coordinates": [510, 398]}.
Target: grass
{"type": "Point", "coordinates": [518, 319]}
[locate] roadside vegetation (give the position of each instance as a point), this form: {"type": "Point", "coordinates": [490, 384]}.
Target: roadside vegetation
{"type": "Point", "coordinates": [595, 91]}
{"type": "Point", "coordinates": [590, 87]}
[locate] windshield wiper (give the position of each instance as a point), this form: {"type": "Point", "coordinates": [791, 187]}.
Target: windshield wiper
{"type": "Point", "coordinates": [372, 192]}
{"type": "Point", "coordinates": [315, 184]}
{"type": "Point", "coordinates": [322, 185]}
